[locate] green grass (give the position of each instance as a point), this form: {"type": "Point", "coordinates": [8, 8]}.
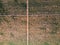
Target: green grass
{"type": "Point", "coordinates": [46, 43]}
{"type": "Point", "coordinates": [11, 43]}
{"type": "Point", "coordinates": [1, 43]}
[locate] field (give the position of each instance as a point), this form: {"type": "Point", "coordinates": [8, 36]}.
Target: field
{"type": "Point", "coordinates": [13, 30]}
{"type": "Point", "coordinates": [44, 30]}
{"type": "Point", "coordinates": [13, 7]}
{"type": "Point", "coordinates": [43, 22]}
{"type": "Point", "coordinates": [44, 7]}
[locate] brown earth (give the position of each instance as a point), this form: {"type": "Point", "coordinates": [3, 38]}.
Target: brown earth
{"type": "Point", "coordinates": [44, 30]}
{"type": "Point", "coordinates": [13, 30]}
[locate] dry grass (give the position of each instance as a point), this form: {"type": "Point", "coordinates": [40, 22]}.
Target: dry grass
{"type": "Point", "coordinates": [13, 7]}
{"type": "Point", "coordinates": [44, 30]}
{"type": "Point", "coordinates": [44, 7]}
{"type": "Point", "coordinates": [12, 30]}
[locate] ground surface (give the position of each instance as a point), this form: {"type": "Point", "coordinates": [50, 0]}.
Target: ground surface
{"type": "Point", "coordinates": [44, 30]}
{"type": "Point", "coordinates": [44, 7]}
{"type": "Point", "coordinates": [13, 30]}
{"type": "Point", "coordinates": [44, 22]}
{"type": "Point", "coordinates": [13, 7]}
